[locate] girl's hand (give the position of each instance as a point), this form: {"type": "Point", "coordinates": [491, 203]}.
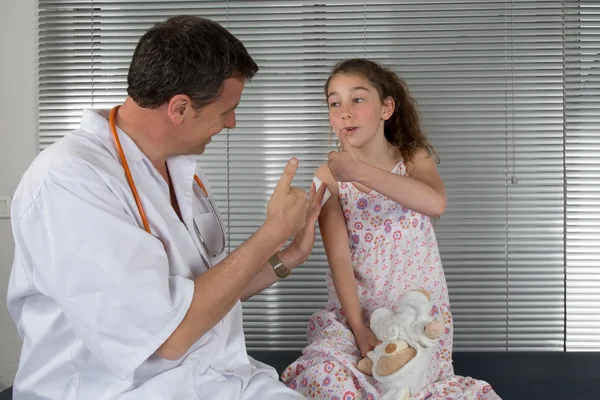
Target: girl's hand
{"type": "Point", "coordinates": [366, 339]}
{"type": "Point", "coordinates": [344, 165]}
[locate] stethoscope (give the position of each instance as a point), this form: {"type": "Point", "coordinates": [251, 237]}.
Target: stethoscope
{"type": "Point", "coordinates": [113, 128]}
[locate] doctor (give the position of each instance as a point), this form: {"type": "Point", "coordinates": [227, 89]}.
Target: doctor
{"type": "Point", "coordinates": [121, 288]}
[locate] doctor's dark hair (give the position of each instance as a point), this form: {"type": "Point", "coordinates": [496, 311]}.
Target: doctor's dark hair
{"type": "Point", "coordinates": [186, 55]}
{"type": "Point", "coordinates": [403, 129]}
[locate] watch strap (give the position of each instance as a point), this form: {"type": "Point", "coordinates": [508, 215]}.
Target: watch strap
{"type": "Point", "coordinates": [278, 266]}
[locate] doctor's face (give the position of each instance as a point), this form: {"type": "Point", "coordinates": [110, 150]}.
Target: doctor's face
{"type": "Point", "coordinates": [214, 117]}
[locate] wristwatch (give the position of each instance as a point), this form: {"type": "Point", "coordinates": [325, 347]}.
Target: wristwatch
{"type": "Point", "coordinates": [278, 266]}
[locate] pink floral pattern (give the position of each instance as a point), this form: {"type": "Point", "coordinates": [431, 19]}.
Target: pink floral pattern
{"type": "Point", "coordinates": [393, 250]}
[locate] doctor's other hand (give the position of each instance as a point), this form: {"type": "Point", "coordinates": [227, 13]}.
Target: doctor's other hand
{"type": "Point", "coordinates": [288, 206]}
{"type": "Point", "coordinates": [301, 247]}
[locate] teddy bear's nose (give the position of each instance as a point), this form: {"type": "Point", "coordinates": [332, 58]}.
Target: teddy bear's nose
{"type": "Point", "coordinates": [390, 348]}
{"type": "Point", "coordinates": [395, 346]}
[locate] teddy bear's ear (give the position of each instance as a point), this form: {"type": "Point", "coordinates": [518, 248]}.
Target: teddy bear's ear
{"type": "Point", "coordinates": [379, 318]}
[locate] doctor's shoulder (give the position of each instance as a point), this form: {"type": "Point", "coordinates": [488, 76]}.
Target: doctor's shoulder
{"type": "Point", "coordinates": [69, 159]}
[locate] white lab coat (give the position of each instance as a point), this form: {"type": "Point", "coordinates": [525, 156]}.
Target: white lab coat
{"type": "Point", "coordinates": [94, 295]}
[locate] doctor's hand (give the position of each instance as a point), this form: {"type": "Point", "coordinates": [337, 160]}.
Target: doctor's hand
{"type": "Point", "coordinates": [345, 164]}
{"type": "Point", "coordinates": [301, 247]}
{"type": "Point", "coordinates": [288, 206]}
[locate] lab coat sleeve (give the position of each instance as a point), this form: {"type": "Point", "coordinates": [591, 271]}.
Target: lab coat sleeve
{"type": "Point", "coordinates": [108, 275]}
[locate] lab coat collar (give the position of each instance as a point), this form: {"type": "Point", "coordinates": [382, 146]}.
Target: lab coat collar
{"type": "Point", "coordinates": [96, 122]}
{"type": "Point", "coordinates": [181, 168]}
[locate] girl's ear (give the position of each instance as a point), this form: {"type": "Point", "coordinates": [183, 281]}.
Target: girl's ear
{"type": "Point", "coordinates": [389, 105]}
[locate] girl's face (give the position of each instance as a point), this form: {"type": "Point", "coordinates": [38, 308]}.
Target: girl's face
{"type": "Point", "coordinates": [355, 109]}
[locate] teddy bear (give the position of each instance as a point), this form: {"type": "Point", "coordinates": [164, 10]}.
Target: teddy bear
{"type": "Point", "coordinates": [408, 336]}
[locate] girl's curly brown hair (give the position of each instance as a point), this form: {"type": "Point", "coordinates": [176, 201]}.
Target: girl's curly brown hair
{"type": "Point", "coordinates": [403, 129]}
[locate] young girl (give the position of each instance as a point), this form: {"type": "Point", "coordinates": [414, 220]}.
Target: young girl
{"type": "Point", "coordinates": [387, 186]}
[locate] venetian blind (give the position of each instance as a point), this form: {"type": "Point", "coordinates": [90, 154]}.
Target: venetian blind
{"type": "Point", "coordinates": [489, 79]}
{"type": "Point", "coordinates": [582, 166]}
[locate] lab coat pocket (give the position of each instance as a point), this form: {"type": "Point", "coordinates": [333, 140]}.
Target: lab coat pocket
{"type": "Point", "coordinates": [174, 384]}
{"type": "Point", "coordinates": [209, 233]}
{"type": "Point", "coordinates": [213, 384]}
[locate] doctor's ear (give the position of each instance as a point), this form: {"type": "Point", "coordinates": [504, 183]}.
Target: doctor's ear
{"type": "Point", "coordinates": [178, 107]}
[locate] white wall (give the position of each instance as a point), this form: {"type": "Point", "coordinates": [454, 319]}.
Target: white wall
{"type": "Point", "coordinates": [18, 138]}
